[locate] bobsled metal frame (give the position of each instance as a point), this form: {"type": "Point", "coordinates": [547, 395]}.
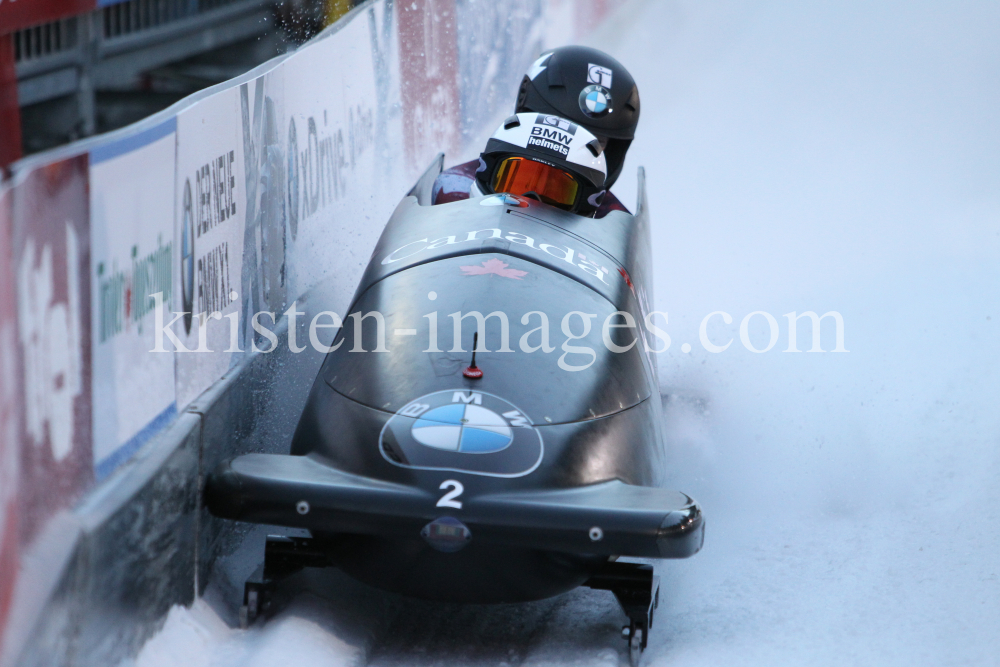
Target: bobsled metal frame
{"type": "Point", "coordinates": [283, 556]}
{"type": "Point", "coordinates": [637, 590]}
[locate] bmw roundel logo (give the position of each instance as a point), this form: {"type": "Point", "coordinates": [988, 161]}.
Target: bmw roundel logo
{"type": "Point", "coordinates": [463, 431]}
{"type": "Point", "coordinates": [461, 427]}
{"type": "Point", "coordinates": [595, 101]}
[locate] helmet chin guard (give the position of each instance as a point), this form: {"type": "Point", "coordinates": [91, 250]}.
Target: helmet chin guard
{"type": "Point", "coordinates": [545, 157]}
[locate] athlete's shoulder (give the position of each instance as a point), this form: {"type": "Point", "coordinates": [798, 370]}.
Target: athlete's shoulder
{"type": "Point", "coordinates": [610, 203]}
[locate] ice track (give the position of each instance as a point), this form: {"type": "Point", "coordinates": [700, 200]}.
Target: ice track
{"type": "Point", "coordinates": [803, 156]}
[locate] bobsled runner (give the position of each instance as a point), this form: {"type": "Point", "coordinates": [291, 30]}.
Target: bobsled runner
{"type": "Point", "coordinates": [488, 427]}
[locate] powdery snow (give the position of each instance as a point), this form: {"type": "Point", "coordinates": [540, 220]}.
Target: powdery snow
{"type": "Point", "coordinates": [816, 157]}
{"type": "Point", "coordinates": [196, 637]}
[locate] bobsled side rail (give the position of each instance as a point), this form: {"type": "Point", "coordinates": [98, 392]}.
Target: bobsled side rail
{"type": "Point", "coordinates": [609, 518]}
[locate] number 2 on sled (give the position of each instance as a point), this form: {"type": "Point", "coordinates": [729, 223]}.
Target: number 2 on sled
{"type": "Point", "coordinates": [448, 499]}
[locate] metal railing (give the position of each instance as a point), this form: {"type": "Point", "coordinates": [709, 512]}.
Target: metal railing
{"type": "Point", "coordinates": [45, 40]}
{"type": "Point", "coordinates": [140, 27]}
{"type": "Point", "coordinates": [137, 15]}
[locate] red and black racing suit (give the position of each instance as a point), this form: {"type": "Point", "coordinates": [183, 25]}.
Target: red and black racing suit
{"type": "Point", "coordinates": [453, 185]}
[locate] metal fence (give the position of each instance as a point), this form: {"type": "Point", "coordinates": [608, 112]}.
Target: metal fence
{"type": "Point", "coordinates": [113, 48]}
{"type": "Point", "coordinates": [45, 40]}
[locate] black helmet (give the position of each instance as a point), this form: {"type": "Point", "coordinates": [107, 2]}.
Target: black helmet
{"type": "Point", "coordinates": [545, 157]}
{"type": "Point", "coordinates": [590, 88]}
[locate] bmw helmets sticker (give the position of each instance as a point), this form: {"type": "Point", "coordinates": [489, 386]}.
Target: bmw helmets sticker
{"type": "Point", "coordinates": [552, 134]}
{"type": "Point", "coordinates": [561, 138]}
{"type": "Point", "coordinates": [595, 101]}
{"type": "Point", "coordinates": [463, 431]}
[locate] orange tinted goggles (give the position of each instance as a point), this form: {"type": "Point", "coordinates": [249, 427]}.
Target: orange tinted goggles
{"type": "Point", "coordinates": [518, 176]}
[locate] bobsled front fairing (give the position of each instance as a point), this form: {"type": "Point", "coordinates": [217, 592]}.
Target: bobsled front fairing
{"type": "Point", "coordinates": [517, 485]}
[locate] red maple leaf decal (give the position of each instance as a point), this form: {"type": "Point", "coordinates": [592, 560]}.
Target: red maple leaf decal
{"type": "Point", "coordinates": [628, 281]}
{"type": "Point", "coordinates": [493, 266]}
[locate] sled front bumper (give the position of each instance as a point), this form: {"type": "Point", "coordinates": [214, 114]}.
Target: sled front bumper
{"type": "Point", "coordinates": [300, 492]}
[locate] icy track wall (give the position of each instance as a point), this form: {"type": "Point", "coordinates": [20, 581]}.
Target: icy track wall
{"type": "Point", "coordinates": [242, 198]}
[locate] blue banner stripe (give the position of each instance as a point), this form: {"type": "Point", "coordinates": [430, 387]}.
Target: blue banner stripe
{"type": "Point", "coordinates": [132, 445]}
{"type": "Point", "coordinates": [136, 141]}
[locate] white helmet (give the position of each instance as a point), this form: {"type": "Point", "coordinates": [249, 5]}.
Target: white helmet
{"type": "Point", "coordinates": [553, 159]}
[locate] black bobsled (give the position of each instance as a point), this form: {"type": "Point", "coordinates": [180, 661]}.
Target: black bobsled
{"type": "Point", "coordinates": [513, 475]}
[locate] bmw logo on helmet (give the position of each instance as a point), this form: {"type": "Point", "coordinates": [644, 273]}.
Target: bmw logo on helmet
{"type": "Point", "coordinates": [595, 101]}
{"type": "Point", "coordinates": [463, 431]}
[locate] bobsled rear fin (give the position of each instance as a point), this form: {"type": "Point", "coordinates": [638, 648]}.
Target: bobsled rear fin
{"type": "Point", "coordinates": [425, 184]}
{"type": "Point", "coordinates": [610, 518]}
{"type": "Point", "coordinates": [641, 203]}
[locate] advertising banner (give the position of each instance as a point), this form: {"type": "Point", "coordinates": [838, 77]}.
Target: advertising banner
{"type": "Point", "coordinates": [51, 243]}
{"type": "Point", "coordinates": [339, 188]}
{"type": "Point", "coordinates": [132, 259]}
{"type": "Point", "coordinates": [210, 210]}
{"type": "Point", "coordinates": [264, 158]}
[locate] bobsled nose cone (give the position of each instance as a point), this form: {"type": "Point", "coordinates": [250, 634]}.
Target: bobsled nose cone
{"type": "Point", "coordinates": [223, 493]}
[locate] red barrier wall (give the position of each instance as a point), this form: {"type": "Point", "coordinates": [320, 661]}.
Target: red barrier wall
{"type": "Point", "coordinates": [10, 392]}
{"type": "Point", "coordinates": [18, 14]}
{"type": "Point", "coordinates": [10, 112]}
